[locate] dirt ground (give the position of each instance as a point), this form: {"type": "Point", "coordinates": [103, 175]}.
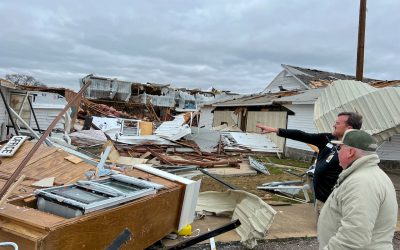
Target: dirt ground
{"type": "Point", "coordinates": [251, 182]}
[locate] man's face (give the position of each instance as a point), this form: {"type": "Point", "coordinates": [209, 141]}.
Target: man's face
{"type": "Point", "coordinates": [345, 156]}
{"type": "Point", "coordinates": [340, 126]}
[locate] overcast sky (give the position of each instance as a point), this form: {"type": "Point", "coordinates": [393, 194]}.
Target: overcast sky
{"type": "Point", "coordinates": [230, 45]}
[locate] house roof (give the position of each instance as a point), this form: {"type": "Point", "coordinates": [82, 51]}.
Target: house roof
{"type": "Point", "coordinates": [382, 84]}
{"type": "Point", "coordinates": [303, 97]}
{"type": "Point", "coordinates": [313, 78]}
{"type": "Point", "coordinates": [254, 100]}
{"type": "Point", "coordinates": [7, 83]}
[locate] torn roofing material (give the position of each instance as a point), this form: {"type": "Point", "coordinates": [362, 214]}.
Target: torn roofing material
{"type": "Point", "coordinates": [206, 139]}
{"type": "Point", "coordinates": [379, 107]}
{"type": "Point", "coordinates": [304, 97]}
{"type": "Point", "coordinates": [313, 78]}
{"type": "Point", "coordinates": [173, 130]}
{"type": "Point", "coordinates": [254, 100]}
{"type": "Point", "coordinates": [255, 215]}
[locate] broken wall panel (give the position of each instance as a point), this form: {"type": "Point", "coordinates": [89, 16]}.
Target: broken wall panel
{"type": "Point", "coordinates": [226, 117]}
{"type": "Point", "coordinates": [274, 119]}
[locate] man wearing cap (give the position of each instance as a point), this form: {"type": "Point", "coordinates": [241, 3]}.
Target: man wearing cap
{"type": "Point", "coordinates": [361, 212]}
{"type": "Point", "coordinates": [327, 167]}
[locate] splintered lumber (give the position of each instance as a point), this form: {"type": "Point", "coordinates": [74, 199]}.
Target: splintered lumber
{"type": "Point", "coordinates": [168, 160]}
{"type": "Point", "coordinates": [41, 140]}
{"type": "Point", "coordinates": [160, 157]}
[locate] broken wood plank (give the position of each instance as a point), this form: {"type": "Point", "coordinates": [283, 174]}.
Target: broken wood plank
{"type": "Point", "coordinates": [145, 155]}
{"type": "Point", "coordinates": [74, 159]}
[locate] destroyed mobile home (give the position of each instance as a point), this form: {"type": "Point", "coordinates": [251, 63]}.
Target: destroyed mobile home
{"type": "Point", "coordinates": [53, 193]}
{"type": "Point", "coordinates": [103, 171]}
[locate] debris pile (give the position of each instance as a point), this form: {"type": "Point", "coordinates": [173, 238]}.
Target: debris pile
{"type": "Point", "coordinates": [104, 161]}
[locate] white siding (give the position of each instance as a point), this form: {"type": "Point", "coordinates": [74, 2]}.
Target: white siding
{"type": "Point", "coordinates": [270, 118]}
{"type": "Point", "coordinates": [47, 106]}
{"type": "Point", "coordinates": [226, 117]}
{"type": "Point", "coordinates": [390, 150]}
{"type": "Point", "coordinates": [45, 116]}
{"type": "Point", "coordinates": [302, 120]}
{"type": "Point", "coordinates": [206, 117]}
{"type": "Point", "coordinates": [286, 80]}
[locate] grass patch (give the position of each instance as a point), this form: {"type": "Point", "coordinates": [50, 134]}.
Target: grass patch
{"type": "Point", "coordinates": [286, 162]}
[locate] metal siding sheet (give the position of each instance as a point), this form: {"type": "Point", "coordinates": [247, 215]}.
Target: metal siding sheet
{"type": "Point", "coordinates": [379, 107]}
{"type": "Point", "coordinates": [271, 118]}
{"type": "Point", "coordinates": [390, 150]}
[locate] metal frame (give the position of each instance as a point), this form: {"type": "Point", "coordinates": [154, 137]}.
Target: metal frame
{"type": "Point", "coordinates": [115, 196]}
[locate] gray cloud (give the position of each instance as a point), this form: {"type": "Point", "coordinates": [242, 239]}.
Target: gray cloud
{"type": "Point", "coordinates": [231, 45]}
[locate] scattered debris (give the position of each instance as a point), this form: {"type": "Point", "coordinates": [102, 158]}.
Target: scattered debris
{"type": "Point", "coordinates": [239, 141]}
{"type": "Point", "coordinates": [258, 166]}
{"type": "Point", "coordinates": [288, 188]}
{"type": "Point", "coordinates": [256, 216]}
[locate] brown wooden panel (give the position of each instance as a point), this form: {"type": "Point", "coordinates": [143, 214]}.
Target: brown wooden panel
{"type": "Point", "coordinates": [29, 216]}
{"type": "Point", "coordinates": [149, 219]}
{"type": "Point", "coordinates": [22, 242]}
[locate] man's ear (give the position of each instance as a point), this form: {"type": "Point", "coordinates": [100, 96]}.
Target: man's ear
{"type": "Point", "coordinates": [352, 152]}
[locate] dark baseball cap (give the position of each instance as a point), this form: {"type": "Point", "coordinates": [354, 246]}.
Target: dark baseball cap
{"type": "Point", "coordinates": [358, 139]}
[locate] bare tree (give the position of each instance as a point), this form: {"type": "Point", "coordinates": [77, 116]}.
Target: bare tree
{"type": "Point", "coordinates": [22, 79]}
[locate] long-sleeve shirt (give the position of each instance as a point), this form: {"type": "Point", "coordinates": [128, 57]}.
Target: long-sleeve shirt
{"type": "Point", "coordinates": [327, 168]}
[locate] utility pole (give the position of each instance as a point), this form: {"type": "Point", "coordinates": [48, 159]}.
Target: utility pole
{"type": "Point", "coordinates": [361, 40]}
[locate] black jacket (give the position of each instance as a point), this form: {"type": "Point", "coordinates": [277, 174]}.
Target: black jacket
{"type": "Point", "coordinates": [327, 168]}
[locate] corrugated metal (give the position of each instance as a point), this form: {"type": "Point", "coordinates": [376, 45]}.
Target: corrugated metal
{"type": "Point", "coordinates": [302, 120]}
{"type": "Point", "coordinates": [379, 107]}
{"type": "Point", "coordinates": [390, 150]}
{"type": "Point", "coordinates": [221, 117]}
{"type": "Point", "coordinates": [275, 119]}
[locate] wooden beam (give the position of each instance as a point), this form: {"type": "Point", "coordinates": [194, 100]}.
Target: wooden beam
{"type": "Point", "coordinates": [361, 40]}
